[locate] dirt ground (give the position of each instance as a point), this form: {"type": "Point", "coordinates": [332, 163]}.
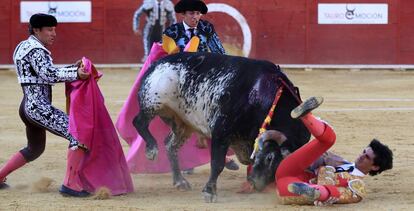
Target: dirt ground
{"type": "Point", "coordinates": [360, 105]}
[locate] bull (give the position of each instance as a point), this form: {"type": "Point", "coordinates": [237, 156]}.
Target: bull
{"type": "Point", "coordinates": [223, 98]}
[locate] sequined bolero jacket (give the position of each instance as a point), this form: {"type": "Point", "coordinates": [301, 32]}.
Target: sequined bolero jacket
{"type": "Point", "coordinates": [205, 31]}
{"type": "Point", "coordinates": [34, 64]}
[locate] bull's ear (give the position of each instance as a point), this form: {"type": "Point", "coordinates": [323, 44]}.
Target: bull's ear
{"type": "Point", "coordinates": [169, 46]}
{"type": "Point", "coordinates": [192, 46]}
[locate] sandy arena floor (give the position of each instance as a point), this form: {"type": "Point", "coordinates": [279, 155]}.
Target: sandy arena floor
{"type": "Point", "coordinates": [360, 105]}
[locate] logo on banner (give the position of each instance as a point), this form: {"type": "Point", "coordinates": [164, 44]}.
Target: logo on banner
{"type": "Point", "coordinates": [52, 10]}
{"type": "Point", "coordinates": [64, 11]}
{"type": "Point", "coordinates": [349, 14]}
{"type": "Point", "coordinates": [332, 13]}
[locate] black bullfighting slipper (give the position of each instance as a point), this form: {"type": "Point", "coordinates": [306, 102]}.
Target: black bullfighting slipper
{"type": "Point", "coordinates": [232, 165]}
{"type": "Point", "coordinates": [305, 190]}
{"type": "Point", "coordinates": [3, 185]}
{"type": "Point", "coordinates": [306, 107]}
{"type": "Point", "coordinates": [65, 191]}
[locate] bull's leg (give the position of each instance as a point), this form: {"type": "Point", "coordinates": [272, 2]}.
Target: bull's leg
{"type": "Point", "coordinates": [141, 123]}
{"type": "Point", "coordinates": [218, 156]}
{"type": "Point", "coordinates": [173, 143]}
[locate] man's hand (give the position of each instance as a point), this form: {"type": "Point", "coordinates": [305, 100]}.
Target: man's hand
{"type": "Point", "coordinates": [78, 63]}
{"type": "Point", "coordinates": [75, 145]}
{"type": "Point", "coordinates": [82, 74]}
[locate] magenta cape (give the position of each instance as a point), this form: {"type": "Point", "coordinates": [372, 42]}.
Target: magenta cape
{"type": "Point", "coordinates": [189, 155]}
{"type": "Point", "coordinates": [89, 122]}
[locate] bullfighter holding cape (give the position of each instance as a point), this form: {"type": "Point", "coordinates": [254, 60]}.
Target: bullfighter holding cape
{"type": "Point", "coordinates": [104, 164]}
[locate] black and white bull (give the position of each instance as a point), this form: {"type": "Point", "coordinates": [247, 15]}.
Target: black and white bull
{"type": "Point", "coordinates": [224, 98]}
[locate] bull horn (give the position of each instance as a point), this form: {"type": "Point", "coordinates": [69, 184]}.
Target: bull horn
{"type": "Point", "coordinates": [272, 135]}
{"type": "Point", "coordinates": [268, 135]}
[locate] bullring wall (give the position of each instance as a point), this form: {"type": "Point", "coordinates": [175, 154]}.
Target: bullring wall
{"type": "Point", "coordinates": [283, 31]}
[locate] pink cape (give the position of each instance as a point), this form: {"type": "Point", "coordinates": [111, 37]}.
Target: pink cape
{"type": "Point", "coordinates": [89, 122]}
{"type": "Point", "coordinates": [189, 155]}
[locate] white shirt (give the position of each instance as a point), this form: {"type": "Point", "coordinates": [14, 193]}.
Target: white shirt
{"type": "Point", "coordinates": [355, 172]}
{"type": "Point", "coordinates": [187, 31]}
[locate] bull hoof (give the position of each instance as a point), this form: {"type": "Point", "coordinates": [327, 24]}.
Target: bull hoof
{"type": "Point", "coordinates": [151, 152]}
{"type": "Point", "coordinates": [209, 198]}
{"type": "Point", "coordinates": [183, 185]}
{"type": "Point", "coordinates": [209, 193]}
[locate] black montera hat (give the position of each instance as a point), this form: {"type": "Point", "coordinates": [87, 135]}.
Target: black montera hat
{"type": "Point", "coordinates": [190, 5]}
{"type": "Point", "coordinates": [40, 20]}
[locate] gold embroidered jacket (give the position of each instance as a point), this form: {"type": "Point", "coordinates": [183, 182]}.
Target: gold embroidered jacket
{"type": "Point", "coordinates": [347, 187]}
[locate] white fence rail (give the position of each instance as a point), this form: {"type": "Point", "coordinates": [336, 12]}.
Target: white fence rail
{"type": "Point", "coordinates": [306, 67]}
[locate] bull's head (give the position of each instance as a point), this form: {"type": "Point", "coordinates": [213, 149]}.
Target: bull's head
{"type": "Point", "coordinates": [267, 159]}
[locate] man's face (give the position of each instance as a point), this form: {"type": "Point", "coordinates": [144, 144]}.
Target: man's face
{"type": "Point", "coordinates": [46, 35]}
{"type": "Point", "coordinates": [365, 161]}
{"type": "Point", "coordinates": [191, 18]}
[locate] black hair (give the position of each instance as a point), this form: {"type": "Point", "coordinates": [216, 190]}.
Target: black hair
{"type": "Point", "coordinates": [383, 157]}
{"type": "Point", "coordinates": [40, 20]}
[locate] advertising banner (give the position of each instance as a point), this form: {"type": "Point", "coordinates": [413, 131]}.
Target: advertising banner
{"type": "Point", "coordinates": [64, 11]}
{"type": "Point", "coordinates": [352, 13]}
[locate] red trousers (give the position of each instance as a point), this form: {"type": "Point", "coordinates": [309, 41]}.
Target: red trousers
{"type": "Point", "coordinates": [293, 167]}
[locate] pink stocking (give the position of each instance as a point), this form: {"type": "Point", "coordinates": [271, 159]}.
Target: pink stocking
{"type": "Point", "coordinates": [314, 125]}
{"type": "Point", "coordinates": [72, 179]}
{"type": "Point", "coordinates": [15, 162]}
